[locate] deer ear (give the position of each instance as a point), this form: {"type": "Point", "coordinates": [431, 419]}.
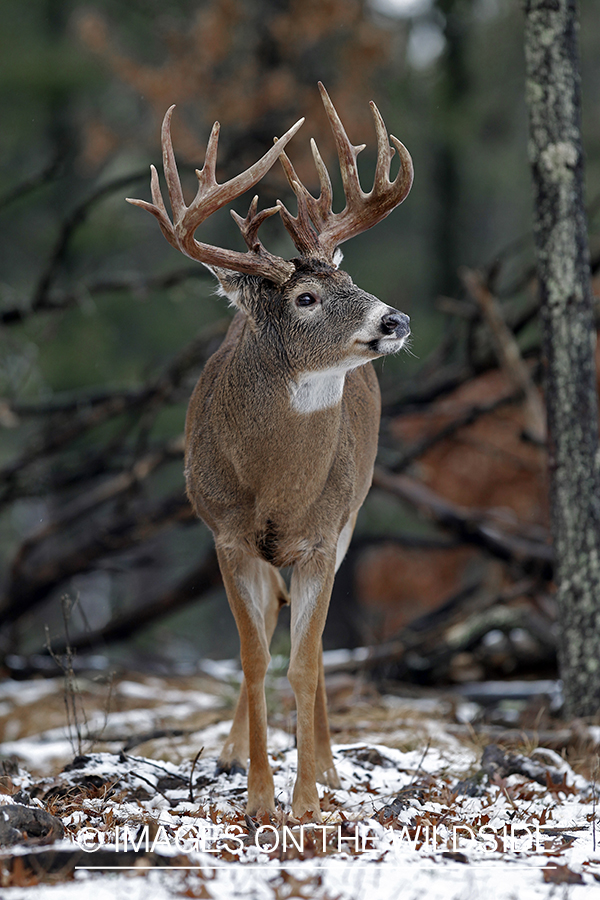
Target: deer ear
{"type": "Point", "coordinates": [230, 286]}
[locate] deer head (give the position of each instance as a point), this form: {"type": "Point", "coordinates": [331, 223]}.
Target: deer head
{"type": "Point", "coordinates": [307, 305]}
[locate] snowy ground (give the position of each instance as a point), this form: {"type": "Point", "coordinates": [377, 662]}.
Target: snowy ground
{"type": "Point", "coordinates": [153, 821]}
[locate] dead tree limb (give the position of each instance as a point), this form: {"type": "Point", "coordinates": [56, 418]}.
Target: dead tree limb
{"type": "Point", "coordinates": [34, 576]}
{"type": "Point", "coordinates": [468, 417]}
{"type": "Point", "coordinates": [509, 354]}
{"type": "Point", "coordinates": [77, 420]}
{"type": "Point", "coordinates": [478, 527]}
{"type": "Point", "coordinates": [190, 589]}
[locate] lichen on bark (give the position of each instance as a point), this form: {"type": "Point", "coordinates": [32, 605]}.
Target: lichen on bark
{"type": "Point", "coordinates": [556, 156]}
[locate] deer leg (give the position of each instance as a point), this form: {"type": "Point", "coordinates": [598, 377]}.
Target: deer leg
{"type": "Point", "coordinates": [235, 752]}
{"type": "Point", "coordinates": [326, 773]}
{"type": "Point", "coordinates": [310, 593]}
{"type": "Point", "coordinates": [249, 585]}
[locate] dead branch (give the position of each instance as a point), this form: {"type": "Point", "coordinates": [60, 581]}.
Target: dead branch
{"type": "Point", "coordinates": [41, 302]}
{"type": "Point", "coordinates": [435, 633]}
{"type": "Point", "coordinates": [479, 527]}
{"type": "Point", "coordinates": [28, 185]}
{"type": "Point", "coordinates": [468, 417]}
{"type": "Point", "coordinates": [62, 300]}
{"type": "Point", "coordinates": [508, 352]}
{"type": "Point", "coordinates": [32, 578]}
{"type": "Point", "coordinates": [110, 489]}
{"type": "Point", "coordinates": [191, 589]}
{"type": "Point", "coordinates": [76, 420]}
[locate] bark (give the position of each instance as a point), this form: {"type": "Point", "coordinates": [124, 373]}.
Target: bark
{"type": "Point", "coordinates": [553, 98]}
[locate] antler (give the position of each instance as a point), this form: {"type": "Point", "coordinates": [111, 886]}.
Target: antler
{"type": "Point", "coordinates": [317, 230]}
{"type": "Point", "coordinates": [210, 197]}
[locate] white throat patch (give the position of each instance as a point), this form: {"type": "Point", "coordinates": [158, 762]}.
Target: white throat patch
{"type": "Point", "coordinates": [323, 389]}
{"type": "Point", "coordinates": [317, 390]}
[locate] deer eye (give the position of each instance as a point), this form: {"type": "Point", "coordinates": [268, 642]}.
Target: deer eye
{"type": "Point", "coordinates": [306, 300]}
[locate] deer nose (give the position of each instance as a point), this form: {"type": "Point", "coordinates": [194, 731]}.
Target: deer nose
{"type": "Point", "coordinates": [395, 323]}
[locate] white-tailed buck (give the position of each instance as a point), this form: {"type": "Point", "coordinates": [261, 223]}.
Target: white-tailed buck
{"type": "Point", "coordinates": [281, 431]}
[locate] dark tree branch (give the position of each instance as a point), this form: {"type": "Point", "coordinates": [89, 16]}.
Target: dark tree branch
{"type": "Point", "coordinates": [77, 419]}
{"type": "Point", "coordinates": [191, 589]}
{"type": "Point", "coordinates": [33, 182]}
{"type": "Point", "coordinates": [34, 575]}
{"type": "Point", "coordinates": [59, 301]}
{"type": "Point", "coordinates": [468, 417]}
{"type": "Point", "coordinates": [479, 527]}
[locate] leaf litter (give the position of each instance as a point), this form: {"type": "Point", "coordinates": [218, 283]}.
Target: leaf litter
{"type": "Point", "coordinates": [141, 812]}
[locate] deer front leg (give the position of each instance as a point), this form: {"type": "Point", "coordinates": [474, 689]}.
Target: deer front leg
{"type": "Point", "coordinates": [310, 594]}
{"type": "Point", "coordinates": [235, 753]}
{"type": "Point", "coordinates": [326, 771]}
{"type": "Point", "coordinates": [250, 596]}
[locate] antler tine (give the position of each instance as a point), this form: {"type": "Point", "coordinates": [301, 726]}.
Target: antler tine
{"type": "Point", "coordinates": [157, 208]}
{"type": "Point", "coordinates": [304, 236]}
{"type": "Point", "coordinates": [347, 152]}
{"type": "Point", "coordinates": [317, 230]}
{"type": "Point", "coordinates": [362, 210]}
{"type": "Point", "coordinates": [207, 176]}
{"type": "Point", "coordinates": [384, 152]}
{"type": "Point", "coordinates": [250, 225]}
{"type": "Point", "coordinates": [178, 207]}
{"type": "Point", "coordinates": [325, 201]}
{"type": "Point", "coordinates": [210, 197]}
{"type": "Point", "coordinates": [404, 178]}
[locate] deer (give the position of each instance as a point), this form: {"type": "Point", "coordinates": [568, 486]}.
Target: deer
{"type": "Point", "coordinates": [282, 427]}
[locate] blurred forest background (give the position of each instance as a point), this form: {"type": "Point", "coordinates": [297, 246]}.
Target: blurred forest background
{"type": "Point", "coordinates": [104, 328]}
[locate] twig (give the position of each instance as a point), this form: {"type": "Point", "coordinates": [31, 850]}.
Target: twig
{"type": "Point", "coordinates": [421, 761]}
{"type": "Point", "coordinates": [594, 779]}
{"type": "Point", "coordinates": [74, 707]}
{"type": "Point", "coordinates": [196, 758]}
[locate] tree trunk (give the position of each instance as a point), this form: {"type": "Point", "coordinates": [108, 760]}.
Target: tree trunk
{"type": "Point", "coordinates": [553, 98]}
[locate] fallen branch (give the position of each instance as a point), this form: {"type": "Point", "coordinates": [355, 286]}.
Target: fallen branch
{"type": "Point", "coordinates": [466, 418]}
{"type": "Point", "coordinates": [33, 578]}
{"type": "Point", "coordinates": [79, 417]}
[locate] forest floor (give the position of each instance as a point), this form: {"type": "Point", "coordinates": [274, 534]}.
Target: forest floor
{"type": "Point", "coordinates": [120, 802]}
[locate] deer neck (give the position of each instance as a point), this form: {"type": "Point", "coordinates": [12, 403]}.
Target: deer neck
{"type": "Point", "coordinates": [268, 388]}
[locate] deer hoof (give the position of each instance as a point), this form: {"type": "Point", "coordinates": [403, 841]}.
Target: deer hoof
{"type": "Point", "coordinates": [230, 768]}
{"type": "Point", "coordinates": [330, 779]}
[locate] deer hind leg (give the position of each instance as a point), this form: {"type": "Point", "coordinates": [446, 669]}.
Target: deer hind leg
{"type": "Point", "coordinates": [256, 592]}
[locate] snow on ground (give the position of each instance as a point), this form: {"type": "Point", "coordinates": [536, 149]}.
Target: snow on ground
{"type": "Point", "coordinates": [154, 821]}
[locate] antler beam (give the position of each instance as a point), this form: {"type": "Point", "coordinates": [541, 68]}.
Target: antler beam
{"type": "Point", "coordinates": [210, 197]}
